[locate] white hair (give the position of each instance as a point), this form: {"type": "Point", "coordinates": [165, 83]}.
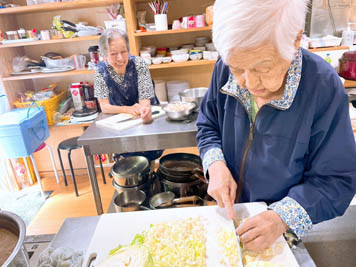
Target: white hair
{"type": "Point", "coordinates": [249, 23]}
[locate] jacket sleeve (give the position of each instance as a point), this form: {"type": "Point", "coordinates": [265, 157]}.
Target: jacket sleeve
{"type": "Point", "coordinates": [208, 122]}
{"type": "Point", "coordinates": [329, 181]}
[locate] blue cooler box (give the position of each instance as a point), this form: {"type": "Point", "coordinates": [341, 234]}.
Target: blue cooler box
{"type": "Point", "coordinates": [22, 131]}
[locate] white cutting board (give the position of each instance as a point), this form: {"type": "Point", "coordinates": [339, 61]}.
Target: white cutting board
{"type": "Point", "coordinates": [120, 229]}
{"type": "Point", "coordinates": [116, 122]}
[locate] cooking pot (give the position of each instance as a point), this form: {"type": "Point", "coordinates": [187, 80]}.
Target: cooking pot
{"type": "Point", "coordinates": [347, 65]}
{"type": "Point", "coordinates": [12, 224]}
{"type": "Point", "coordinates": [131, 171]}
{"type": "Point", "coordinates": [193, 95]}
{"type": "Point", "coordinates": [129, 200]}
{"type": "Point", "coordinates": [182, 189]}
{"type": "Point", "coordinates": [181, 167]}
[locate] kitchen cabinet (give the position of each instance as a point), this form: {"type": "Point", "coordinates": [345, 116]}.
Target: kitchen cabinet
{"type": "Point", "coordinates": [197, 72]}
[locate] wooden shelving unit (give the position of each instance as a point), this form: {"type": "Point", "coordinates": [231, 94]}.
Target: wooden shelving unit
{"type": "Point", "coordinates": [47, 75]}
{"type": "Point", "coordinates": [140, 34]}
{"type": "Point", "coordinates": [57, 6]}
{"type": "Point", "coordinates": [54, 41]}
{"type": "Point", "coordinates": [349, 83]}
{"type": "Point", "coordinates": [190, 63]}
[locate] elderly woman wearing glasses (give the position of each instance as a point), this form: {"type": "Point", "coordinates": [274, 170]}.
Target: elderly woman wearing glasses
{"type": "Point", "coordinates": [274, 125]}
{"type": "Point", "coordinates": [122, 83]}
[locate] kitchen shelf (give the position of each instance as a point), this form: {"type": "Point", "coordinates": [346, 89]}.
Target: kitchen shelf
{"type": "Point", "coordinates": [47, 75]}
{"type": "Point", "coordinates": [189, 63]}
{"type": "Point", "coordinates": [54, 41]}
{"type": "Point", "coordinates": [201, 29]}
{"type": "Point", "coordinates": [331, 48]}
{"type": "Point", "coordinates": [349, 83]}
{"type": "Point", "coordinates": [57, 6]}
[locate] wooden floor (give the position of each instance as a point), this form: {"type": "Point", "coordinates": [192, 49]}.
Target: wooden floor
{"type": "Point", "coordinates": [63, 203]}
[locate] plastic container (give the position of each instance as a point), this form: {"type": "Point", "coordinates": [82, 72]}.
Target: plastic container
{"type": "Point", "coordinates": [93, 53]}
{"type": "Point", "coordinates": [348, 36]}
{"type": "Point", "coordinates": [50, 105]}
{"type": "Point", "coordinates": [22, 131]}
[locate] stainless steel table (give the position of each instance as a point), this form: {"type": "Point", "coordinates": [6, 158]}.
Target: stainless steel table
{"type": "Point", "coordinates": [161, 134]}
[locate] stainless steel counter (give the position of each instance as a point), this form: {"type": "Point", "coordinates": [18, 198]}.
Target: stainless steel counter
{"type": "Point", "coordinates": [161, 134]}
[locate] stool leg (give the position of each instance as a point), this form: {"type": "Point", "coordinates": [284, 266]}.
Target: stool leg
{"type": "Point", "coordinates": [62, 167]}
{"type": "Point", "coordinates": [37, 175]}
{"type": "Point", "coordinates": [72, 172]}
{"type": "Point", "coordinates": [28, 171]}
{"type": "Point", "coordinates": [53, 162]}
{"type": "Point", "coordinates": [11, 186]}
{"type": "Point", "coordinates": [102, 169]}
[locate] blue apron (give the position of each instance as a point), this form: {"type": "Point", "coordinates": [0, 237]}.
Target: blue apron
{"type": "Point", "coordinates": [126, 94]}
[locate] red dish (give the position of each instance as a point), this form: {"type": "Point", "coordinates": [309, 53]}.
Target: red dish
{"type": "Point", "coordinates": [347, 66]}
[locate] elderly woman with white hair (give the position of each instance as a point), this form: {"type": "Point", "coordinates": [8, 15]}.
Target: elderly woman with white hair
{"type": "Point", "coordinates": [274, 125]}
{"type": "Point", "coordinates": [122, 83]}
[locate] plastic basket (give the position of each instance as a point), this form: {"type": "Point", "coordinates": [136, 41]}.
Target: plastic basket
{"type": "Point", "coordinates": [22, 131]}
{"type": "Point", "coordinates": [50, 106]}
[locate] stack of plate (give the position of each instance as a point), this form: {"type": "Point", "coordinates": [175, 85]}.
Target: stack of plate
{"type": "Point", "coordinates": [173, 89]}
{"type": "Point", "coordinates": [201, 41]}
{"type": "Point", "coordinates": [161, 91]}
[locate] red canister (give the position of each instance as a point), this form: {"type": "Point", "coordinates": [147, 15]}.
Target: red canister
{"type": "Point", "coordinates": [347, 65]}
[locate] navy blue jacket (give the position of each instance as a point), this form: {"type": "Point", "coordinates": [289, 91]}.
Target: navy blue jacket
{"type": "Point", "coordinates": [306, 152]}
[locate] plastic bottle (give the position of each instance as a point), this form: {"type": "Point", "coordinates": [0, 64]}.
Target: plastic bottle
{"type": "Point", "coordinates": [348, 36]}
{"type": "Point", "coordinates": [328, 58]}
{"type": "Point", "coordinates": [21, 174]}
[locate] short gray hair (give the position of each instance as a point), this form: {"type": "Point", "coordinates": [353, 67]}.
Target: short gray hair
{"type": "Point", "coordinates": [108, 36]}
{"type": "Point", "coordinates": [243, 24]}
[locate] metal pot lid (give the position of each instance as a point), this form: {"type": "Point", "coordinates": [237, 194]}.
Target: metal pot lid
{"type": "Point", "coordinates": [130, 166]}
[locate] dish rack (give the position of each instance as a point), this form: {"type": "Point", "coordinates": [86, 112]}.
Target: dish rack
{"type": "Point", "coordinates": [50, 105]}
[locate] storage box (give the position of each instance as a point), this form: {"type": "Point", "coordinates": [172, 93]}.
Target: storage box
{"type": "Point", "coordinates": [50, 105]}
{"type": "Point", "coordinates": [22, 131]}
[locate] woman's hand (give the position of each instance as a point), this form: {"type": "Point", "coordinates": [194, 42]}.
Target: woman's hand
{"type": "Point", "coordinates": [259, 232]}
{"type": "Point", "coordinates": [146, 114]}
{"type": "Point", "coordinates": [135, 109]}
{"type": "Point", "coordinates": [222, 186]}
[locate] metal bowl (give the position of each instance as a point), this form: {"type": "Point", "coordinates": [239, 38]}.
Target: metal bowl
{"type": "Point", "coordinates": [177, 114]}
{"type": "Point", "coordinates": [193, 95]}
{"type": "Point", "coordinates": [13, 223]}
{"type": "Point", "coordinates": [131, 171]}
{"type": "Point", "coordinates": [129, 200]}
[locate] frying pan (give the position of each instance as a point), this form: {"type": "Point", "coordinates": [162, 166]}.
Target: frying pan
{"type": "Point", "coordinates": [178, 166]}
{"type": "Point", "coordinates": [167, 199]}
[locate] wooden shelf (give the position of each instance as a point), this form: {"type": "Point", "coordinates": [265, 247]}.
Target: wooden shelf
{"type": "Point", "coordinates": [189, 63]}
{"type": "Point", "coordinates": [201, 29]}
{"type": "Point", "coordinates": [47, 75]}
{"type": "Point", "coordinates": [331, 48]}
{"type": "Point", "coordinates": [349, 83]}
{"type": "Point", "coordinates": [57, 6]}
{"type": "Point", "coordinates": [55, 41]}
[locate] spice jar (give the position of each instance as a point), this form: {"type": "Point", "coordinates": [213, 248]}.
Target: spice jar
{"type": "Point", "coordinates": [93, 53]}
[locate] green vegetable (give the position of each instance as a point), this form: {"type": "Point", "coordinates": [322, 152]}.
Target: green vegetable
{"type": "Point", "coordinates": [138, 240]}
{"type": "Point", "coordinates": [114, 250]}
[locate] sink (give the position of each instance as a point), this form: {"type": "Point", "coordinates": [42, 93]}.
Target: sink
{"type": "Point", "coordinates": [333, 243]}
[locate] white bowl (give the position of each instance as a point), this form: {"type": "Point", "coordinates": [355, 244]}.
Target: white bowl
{"type": "Point", "coordinates": [156, 60]}
{"type": "Point", "coordinates": [196, 56]}
{"type": "Point", "coordinates": [166, 59]}
{"type": "Point", "coordinates": [180, 58]}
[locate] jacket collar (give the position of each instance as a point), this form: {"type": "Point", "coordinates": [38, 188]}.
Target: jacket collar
{"type": "Point", "coordinates": [290, 89]}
